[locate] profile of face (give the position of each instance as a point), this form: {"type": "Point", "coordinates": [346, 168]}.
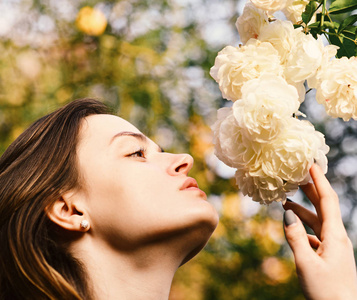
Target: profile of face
{"type": "Point", "coordinates": [134, 193]}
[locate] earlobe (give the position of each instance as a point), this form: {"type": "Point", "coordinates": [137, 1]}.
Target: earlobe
{"type": "Point", "coordinates": [68, 215]}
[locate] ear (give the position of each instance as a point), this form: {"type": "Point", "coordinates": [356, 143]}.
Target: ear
{"type": "Point", "coordinates": [68, 212]}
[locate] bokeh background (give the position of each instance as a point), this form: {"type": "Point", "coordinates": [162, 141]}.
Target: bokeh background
{"type": "Point", "coordinates": [149, 60]}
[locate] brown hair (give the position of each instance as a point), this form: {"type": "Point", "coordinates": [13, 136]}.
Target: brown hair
{"type": "Point", "coordinates": [35, 170]}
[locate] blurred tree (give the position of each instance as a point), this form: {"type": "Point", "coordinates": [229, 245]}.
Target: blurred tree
{"type": "Point", "coordinates": [150, 61]}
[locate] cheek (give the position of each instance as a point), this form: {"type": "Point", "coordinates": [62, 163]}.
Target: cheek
{"type": "Point", "coordinates": [122, 211]}
{"type": "Point", "coordinates": [129, 209]}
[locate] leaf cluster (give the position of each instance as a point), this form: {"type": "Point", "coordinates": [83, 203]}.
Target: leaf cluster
{"type": "Point", "coordinates": [337, 23]}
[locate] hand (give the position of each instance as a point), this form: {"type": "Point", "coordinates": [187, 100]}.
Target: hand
{"type": "Point", "coordinates": [330, 271]}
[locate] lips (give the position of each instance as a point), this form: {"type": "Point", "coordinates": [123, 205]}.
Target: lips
{"type": "Point", "coordinates": [189, 183]}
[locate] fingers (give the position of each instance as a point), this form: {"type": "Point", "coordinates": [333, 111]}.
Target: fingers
{"type": "Point", "coordinates": [314, 241]}
{"type": "Point", "coordinates": [305, 215]}
{"type": "Point", "coordinates": [323, 187]}
{"type": "Point", "coordinates": [296, 236]}
{"type": "Point", "coordinates": [327, 204]}
{"type": "Point", "coordinates": [310, 192]}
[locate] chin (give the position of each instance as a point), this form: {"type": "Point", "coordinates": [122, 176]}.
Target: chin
{"type": "Point", "coordinates": [200, 234]}
{"type": "Point", "coordinates": [200, 243]}
{"type": "Point", "coordinates": [206, 217]}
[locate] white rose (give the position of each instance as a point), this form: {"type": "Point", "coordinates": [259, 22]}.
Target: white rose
{"type": "Point", "coordinates": [263, 189]}
{"type": "Point", "coordinates": [222, 113]}
{"type": "Point", "coordinates": [337, 88]}
{"type": "Point", "coordinates": [292, 153]}
{"type": "Point", "coordinates": [236, 65]}
{"type": "Point", "coordinates": [294, 10]}
{"type": "Point", "coordinates": [270, 5]}
{"type": "Point", "coordinates": [250, 22]}
{"type": "Point", "coordinates": [329, 52]}
{"type": "Point", "coordinates": [281, 35]}
{"type": "Point", "coordinates": [304, 58]}
{"type": "Point", "coordinates": [230, 147]}
{"type": "Point", "coordinates": [266, 102]}
{"type": "Point", "coordinates": [300, 87]}
{"type": "Point", "coordinates": [300, 53]}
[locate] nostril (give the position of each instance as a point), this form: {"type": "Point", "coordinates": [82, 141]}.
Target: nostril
{"type": "Point", "coordinates": [180, 167]}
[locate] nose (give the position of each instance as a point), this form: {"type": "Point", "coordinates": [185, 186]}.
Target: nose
{"type": "Point", "coordinates": [181, 164]}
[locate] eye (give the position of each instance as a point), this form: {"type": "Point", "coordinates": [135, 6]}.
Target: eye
{"type": "Point", "coordinates": [139, 153]}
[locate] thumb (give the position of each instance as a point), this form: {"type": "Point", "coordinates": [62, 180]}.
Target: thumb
{"type": "Point", "coordinates": [296, 236]}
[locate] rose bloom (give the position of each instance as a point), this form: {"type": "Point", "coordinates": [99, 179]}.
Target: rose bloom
{"type": "Point", "coordinates": [230, 146]}
{"type": "Point", "coordinates": [270, 5]}
{"type": "Point", "coordinates": [284, 163]}
{"type": "Point", "coordinates": [250, 22]}
{"type": "Point", "coordinates": [266, 102]}
{"type": "Point", "coordinates": [281, 35]}
{"type": "Point", "coordinates": [294, 10]}
{"type": "Point", "coordinates": [222, 115]}
{"type": "Point", "coordinates": [263, 189]}
{"type": "Point", "coordinates": [292, 153]}
{"type": "Point", "coordinates": [329, 52]}
{"type": "Point", "coordinates": [300, 87]}
{"type": "Point", "coordinates": [236, 65]}
{"type": "Point", "coordinates": [304, 58]}
{"type": "Point", "coordinates": [337, 88]}
{"type": "Point", "coordinates": [300, 53]}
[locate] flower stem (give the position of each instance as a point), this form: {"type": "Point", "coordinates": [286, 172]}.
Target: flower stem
{"type": "Point", "coordinates": [323, 14]}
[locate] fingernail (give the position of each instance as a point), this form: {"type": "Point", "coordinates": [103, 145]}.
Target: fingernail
{"type": "Point", "coordinates": [289, 217]}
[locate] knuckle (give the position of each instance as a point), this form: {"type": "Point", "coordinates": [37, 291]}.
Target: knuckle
{"type": "Point", "coordinates": [334, 195]}
{"type": "Point", "coordinates": [348, 242]}
{"type": "Point", "coordinates": [295, 235]}
{"type": "Point", "coordinates": [342, 238]}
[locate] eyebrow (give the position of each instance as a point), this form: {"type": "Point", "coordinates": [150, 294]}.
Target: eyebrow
{"type": "Point", "coordinates": [139, 136]}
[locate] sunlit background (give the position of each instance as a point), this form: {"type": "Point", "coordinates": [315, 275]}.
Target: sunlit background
{"type": "Point", "coordinates": [150, 61]}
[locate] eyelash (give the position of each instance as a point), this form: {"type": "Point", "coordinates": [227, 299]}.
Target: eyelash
{"type": "Point", "coordinates": [141, 151]}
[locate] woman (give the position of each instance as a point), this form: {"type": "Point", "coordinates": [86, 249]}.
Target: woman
{"type": "Point", "coordinates": [92, 209]}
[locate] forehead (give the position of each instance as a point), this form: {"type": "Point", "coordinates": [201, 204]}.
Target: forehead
{"type": "Point", "coordinates": [101, 128]}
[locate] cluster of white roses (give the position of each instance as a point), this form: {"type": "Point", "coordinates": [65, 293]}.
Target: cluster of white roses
{"type": "Point", "coordinates": [265, 78]}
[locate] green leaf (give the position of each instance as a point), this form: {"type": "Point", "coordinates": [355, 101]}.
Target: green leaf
{"type": "Point", "coordinates": [351, 30]}
{"type": "Point", "coordinates": [318, 17]}
{"type": "Point", "coordinates": [347, 22]}
{"type": "Point", "coordinates": [341, 6]}
{"type": "Point", "coordinates": [314, 25]}
{"type": "Point", "coordinates": [309, 11]}
{"type": "Point", "coordinates": [331, 25]}
{"type": "Point", "coordinates": [347, 46]}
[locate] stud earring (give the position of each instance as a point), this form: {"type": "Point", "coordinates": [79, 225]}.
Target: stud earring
{"type": "Point", "coordinates": [84, 224]}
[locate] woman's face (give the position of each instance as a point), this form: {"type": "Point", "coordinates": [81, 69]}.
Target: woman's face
{"type": "Point", "coordinates": [134, 192]}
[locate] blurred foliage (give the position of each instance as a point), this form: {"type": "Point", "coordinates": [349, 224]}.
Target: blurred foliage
{"type": "Point", "coordinates": [150, 61]}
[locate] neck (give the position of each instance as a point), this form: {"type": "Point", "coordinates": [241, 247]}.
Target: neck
{"type": "Point", "coordinates": [137, 274]}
